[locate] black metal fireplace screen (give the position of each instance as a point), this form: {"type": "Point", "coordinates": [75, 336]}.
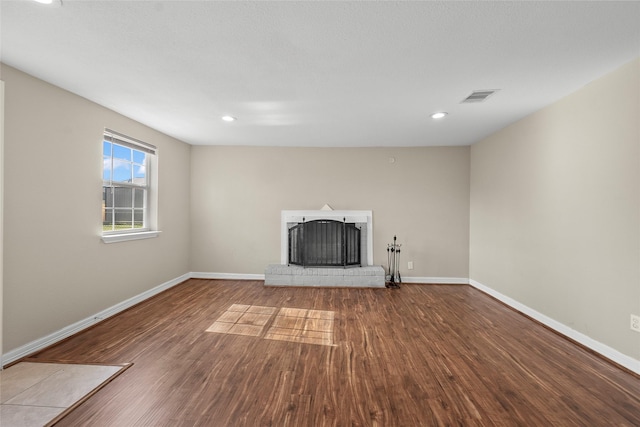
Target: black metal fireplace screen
{"type": "Point", "coordinates": [324, 243]}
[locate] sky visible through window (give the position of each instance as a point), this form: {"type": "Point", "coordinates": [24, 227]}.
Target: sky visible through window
{"type": "Point", "coordinates": [128, 164]}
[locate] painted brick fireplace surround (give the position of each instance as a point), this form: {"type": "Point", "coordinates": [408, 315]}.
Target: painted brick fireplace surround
{"type": "Point", "coordinates": [367, 275]}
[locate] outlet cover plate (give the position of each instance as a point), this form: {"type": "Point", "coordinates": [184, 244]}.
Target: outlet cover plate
{"type": "Point", "coordinates": [635, 323]}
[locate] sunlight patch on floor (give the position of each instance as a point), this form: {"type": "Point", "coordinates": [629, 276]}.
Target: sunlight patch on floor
{"type": "Point", "coordinates": [290, 324]}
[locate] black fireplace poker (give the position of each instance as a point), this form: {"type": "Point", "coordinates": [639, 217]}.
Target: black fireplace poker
{"type": "Point", "coordinates": [393, 264]}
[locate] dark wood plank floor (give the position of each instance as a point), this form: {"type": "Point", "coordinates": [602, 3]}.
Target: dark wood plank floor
{"type": "Point", "coordinates": [422, 355]}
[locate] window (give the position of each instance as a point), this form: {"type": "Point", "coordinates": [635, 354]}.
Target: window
{"type": "Point", "coordinates": [126, 184]}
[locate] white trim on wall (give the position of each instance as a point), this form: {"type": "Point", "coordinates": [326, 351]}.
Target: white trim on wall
{"type": "Point", "coordinates": [602, 349]}
{"type": "Point", "coordinates": [126, 237]}
{"type": "Point", "coordinates": [418, 280]}
{"type": "Point", "coordinates": [227, 276]}
{"type": "Point", "coordinates": [74, 328]}
{"type": "Point", "coordinates": [436, 280]}
{"type": "Point", "coordinates": [606, 351]}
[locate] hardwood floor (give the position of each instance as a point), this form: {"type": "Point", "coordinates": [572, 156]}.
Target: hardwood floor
{"type": "Point", "coordinates": [421, 355]}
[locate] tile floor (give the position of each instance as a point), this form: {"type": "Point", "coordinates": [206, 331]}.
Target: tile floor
{"type": "Point", "coordinates": [289, 324]}
{"type": "Point", "coordinates": [33, 394]}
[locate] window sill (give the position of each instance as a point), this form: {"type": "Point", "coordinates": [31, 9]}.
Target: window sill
{"type": "Point", "coordinates": [125, 237]}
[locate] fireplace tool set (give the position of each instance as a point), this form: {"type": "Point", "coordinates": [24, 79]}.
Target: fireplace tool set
{"type": "Point", "coordinates": [393, 264]}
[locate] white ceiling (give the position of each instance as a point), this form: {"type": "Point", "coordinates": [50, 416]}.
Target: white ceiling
{"type": "Point", "coordinates": [320, 73]}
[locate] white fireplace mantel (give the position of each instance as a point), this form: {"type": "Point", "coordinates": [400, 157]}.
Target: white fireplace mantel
{"type": "Point", "coordinates": [348, 216]}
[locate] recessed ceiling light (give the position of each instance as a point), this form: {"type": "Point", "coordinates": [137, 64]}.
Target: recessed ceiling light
{"type": "Point", "coordinates": [51, 2]}
{"type": "Point", "coordinates": [438, 115]}
{"type": "Point", "coordinates": [229, 118]}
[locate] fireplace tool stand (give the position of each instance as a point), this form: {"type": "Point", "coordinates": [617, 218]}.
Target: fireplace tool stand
{"type": "Point", "coordinates": [393, 264]}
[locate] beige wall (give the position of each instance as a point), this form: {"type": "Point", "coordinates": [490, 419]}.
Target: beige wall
{"type": "Point", "coordinates": [238, 193]}
{"type": "Point", "coordinates": [57, 271]}
{"type": "Point", "coordinates": [555, 210]}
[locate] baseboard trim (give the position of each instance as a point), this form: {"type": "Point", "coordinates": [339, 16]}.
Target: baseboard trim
{"type": "Point", "coordinates": [436, 280]}
{"type": "Point", "coordinates": [241, 276]}
{"type": "Point", "coordinates": [41, 343]}
{"type": "Point", "coordinates": [227, 276]}
{"type": "Point", "coordinates": [46, 341]}
{"type": "Point", "coordinates": [610, 353]}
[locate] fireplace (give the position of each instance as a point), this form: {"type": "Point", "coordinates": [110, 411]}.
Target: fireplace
{"type": "Point", "coordinates": [324, 243]}
{"type": "Point", "coordinates": [362, 219]}
{"type": "Point", "coordinates": [327, 221]}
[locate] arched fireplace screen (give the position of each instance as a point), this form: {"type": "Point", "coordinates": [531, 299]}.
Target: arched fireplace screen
{"type": "Point", "coordinates": [324, 243]}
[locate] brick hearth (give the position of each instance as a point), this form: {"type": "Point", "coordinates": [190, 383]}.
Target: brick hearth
{"type": "Point", "coordinates": [356, 277]}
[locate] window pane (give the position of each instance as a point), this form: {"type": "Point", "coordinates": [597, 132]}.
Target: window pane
{"type": "Point", "coordinates": [107, 219]}
{"type": "Point", "coordinates": [138, 198]}
{"type": "Point", "coordinates": [123, 197]}
{"type": "Point", "coordinates": [139, 174]}
{"type": "Point", "coordinates": [121, 171]}
{"type": "Point", "coordinates": [106, 161]}
{"type": "Point", "coordinates": [106, 168]}
{"type": "Point", "coordinates": [120, 152]}
{"type": "Point", "coordinates": [107, 197]}
{"type": "Point", "coordinates": [138, 157]}
{"type": "Point", "coordinates": [123, 219]}
{"type": "Point", "coordinates": [138, 218]}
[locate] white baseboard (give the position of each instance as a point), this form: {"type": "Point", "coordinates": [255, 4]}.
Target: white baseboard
{"type": "Point", "coordinates": [240, 276]}
{"type": "Point", "coordinates": [606, 351]}
{"type": "Point", "coordinates": [227, 276]}
{"type": "Point", "coordinates": [41, 343]}
{"type": "Point", "coordinates": [74, 328]}
{"type": "Point", "coordinates": [436, 280]}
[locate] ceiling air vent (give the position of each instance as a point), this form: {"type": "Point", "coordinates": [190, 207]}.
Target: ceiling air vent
{"type": "Point", "coordinates": [479, 96]}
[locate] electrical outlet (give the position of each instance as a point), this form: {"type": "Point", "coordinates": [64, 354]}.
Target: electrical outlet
{"type": "Point", "coordinates": [635, 323]}
{"type": "Point", "coordinates": [410, 265]}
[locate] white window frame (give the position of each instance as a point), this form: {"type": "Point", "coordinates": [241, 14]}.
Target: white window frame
{"type": "Point", "coordinates": [149, 228]}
